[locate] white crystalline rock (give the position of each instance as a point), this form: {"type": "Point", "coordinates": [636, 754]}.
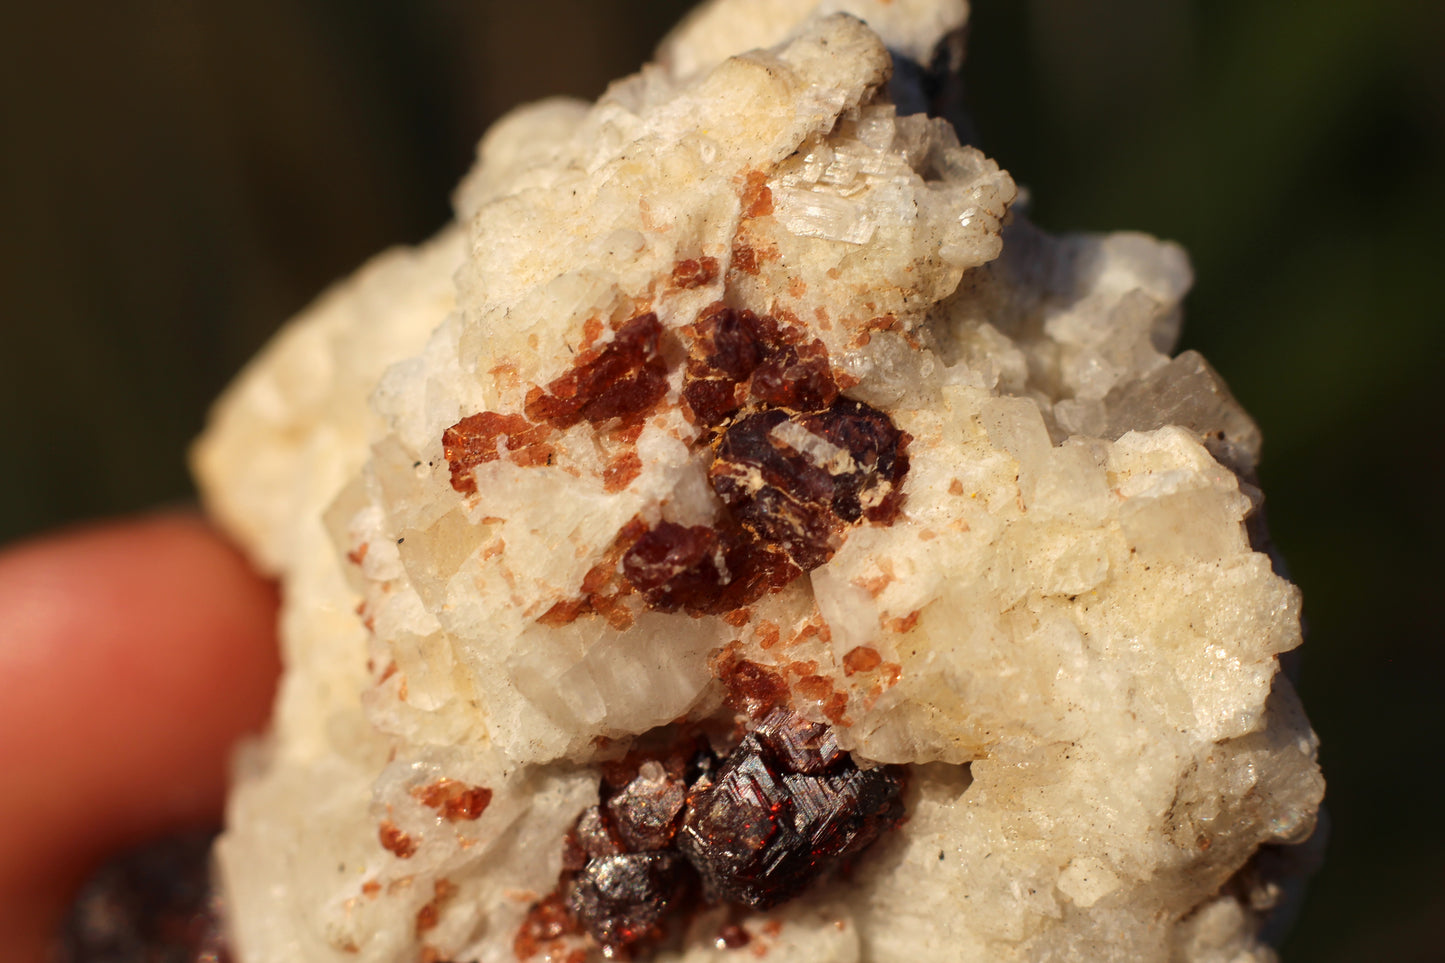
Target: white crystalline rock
{"type": "Point", "coordinates": [1065, 635]}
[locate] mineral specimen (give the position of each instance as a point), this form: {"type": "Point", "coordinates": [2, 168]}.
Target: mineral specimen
{"type": "Point", "coordinates": [783, 809]}
{"type": "Point", "coordinates": [786, 805]}
{"type": "Point", "coordinates": [744, 533]}
{"type": "Point", "coordinates": [154, 905]}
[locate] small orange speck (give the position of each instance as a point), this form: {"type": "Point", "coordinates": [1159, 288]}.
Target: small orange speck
{"type": "Point", "coordinates": [905, 624]}
{"type": "Point", "coordinates": [861, 659]}
{"type": "Point", "coordinates": [396, 842]}
{"type": "Point", "coordinates": [454, 800]}
{"type": "Point", "coordinates": [814, 687]}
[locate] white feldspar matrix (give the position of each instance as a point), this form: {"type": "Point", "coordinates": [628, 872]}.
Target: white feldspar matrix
{"type": "Point", "coordinates": [743, 533]}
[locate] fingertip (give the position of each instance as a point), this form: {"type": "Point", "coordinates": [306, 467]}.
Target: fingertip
{"type": "Point", "coordinates": [135, 654]}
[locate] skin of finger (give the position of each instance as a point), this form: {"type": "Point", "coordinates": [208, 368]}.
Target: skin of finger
{"type": "Point", "coordinates": [133, 655]}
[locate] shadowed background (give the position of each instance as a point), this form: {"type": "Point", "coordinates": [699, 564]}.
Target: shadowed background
{"type": "Point", "coordinates": [177, 177]}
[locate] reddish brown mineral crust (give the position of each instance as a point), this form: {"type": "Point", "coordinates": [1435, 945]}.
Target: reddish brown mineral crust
{"type": "Point", "coordinates": [874, 490]}
{"type": "Point", "coordinates": [430, 914]}
{"type": "Point", "coordinates": [752, 688]}
{"type": "Point", "coordinates": [621, 472]}
{"type": "Point", "coordinates": [674, 566]}
{"type": "Point", "coordinates": [815, 687]}
{"type": "Point", "coordinates": [568, 611]}
{"type": "Point", "coordinates": [394, 841]}
{"type": "Point", "coordinates": [705, 570]}
{"type": "Point", "coordinates": [565, 612]}
{"type": "Point", "coordinates": [626, 433]}
{"type": "Point", "coordinates": [815, 627]}
{"type": "Point", "coordinates": [727, 346]}
{"type": "Point", "coordinates": [793, 473]}
{"type": "Point", "coordinates": [613, 611]}
{"type": "Point", "coordinates": [737, 618]}
{"type": "Point", "coordinates": [454, 800]}
{"type": "Point", "coordinates": [802, 668]}
{"type": "Point", "coordinates": [626, 379]}
{"type": "Point", "coordinates": [745, 259]}
{"type": "Point", "coordinates": [545, 929]}
{"type": "Point", "coordinates": [592, 330]}
{"type": "Point", "coordinates": [694, 273]}
{"type": "Point", "coordinates": [600, 593]}
{"type": "Point", "coordinates": [796, 377]}
{"type": "Point", "coordinates": [757, 198]}
{"type": "Point", "coordinates": [787, 505]}
{"type": "Point", "coordinates": [861, 659]}
{"type": "Point", "coordinates": [479, 438]}
{"type": "Point", "coordinates": [887, 322]}
{"type": "Point", "coordinates": [904, 624]}
{"type": "Point", "coordinates": [710, 399]}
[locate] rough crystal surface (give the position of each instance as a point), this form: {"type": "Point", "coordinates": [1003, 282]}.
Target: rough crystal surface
{"type": "Point", "coordinates": [781, 813]}
{"type": "Point", "coordinates": [744, 389]}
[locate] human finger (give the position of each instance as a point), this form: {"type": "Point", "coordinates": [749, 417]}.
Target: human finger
{"type": "Point", "coordinates": [134, 653]}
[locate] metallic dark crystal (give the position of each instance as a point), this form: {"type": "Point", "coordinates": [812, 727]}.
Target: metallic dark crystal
{"type": "Point", "coordinates": [620, 900]}
{"type": "Point", "coordinates": [645, 812]}
{"type": "Point", "coordinates": [774, 821]}
{"type": "Point", "coordinates": [783, 809]}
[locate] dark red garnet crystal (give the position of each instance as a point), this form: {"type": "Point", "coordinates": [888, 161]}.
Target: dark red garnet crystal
{"type": "Point", "coordinates": [794, 480]}
{"type": "Point", "coordinates": [738, 355]}
{"type": "Point", "coordinates": [783, 809]}
{"type": "Point", "coordinates": [790, 483]}
{"type": "Point", "coordinates": [794, 464]}
{"type": "Point", "coordinates": [626, 379]}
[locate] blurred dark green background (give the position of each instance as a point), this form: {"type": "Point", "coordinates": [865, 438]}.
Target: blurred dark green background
{"type": "Point", "coordinates": [179, 176]}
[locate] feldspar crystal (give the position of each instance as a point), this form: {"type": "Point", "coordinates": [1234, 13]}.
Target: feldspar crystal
{"type": "Point", "coordinates": [743, 532]}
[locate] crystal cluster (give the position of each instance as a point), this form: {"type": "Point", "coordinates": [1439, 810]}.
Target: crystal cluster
{"type": "Point", "coordinates": [742, 532]}
{"type": "Point", "coordinates": [783, 809]}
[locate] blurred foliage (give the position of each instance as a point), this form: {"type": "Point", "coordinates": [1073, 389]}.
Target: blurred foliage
{"type": "Point", "coordinates": [178, 177]}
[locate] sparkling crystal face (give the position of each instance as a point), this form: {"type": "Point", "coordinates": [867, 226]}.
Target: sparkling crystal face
{"type": "Point", "coordinates": [620, 899]}
{"type": "Point", "coordinates": [756, 827]}
{"type": "Point", "coordinates": [786, 808]}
